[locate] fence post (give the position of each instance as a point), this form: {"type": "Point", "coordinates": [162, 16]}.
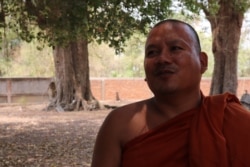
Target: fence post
{"type": "Point", "coordinates": [103, 89]}
{"type": "Point", "coordinates": [9, 90]}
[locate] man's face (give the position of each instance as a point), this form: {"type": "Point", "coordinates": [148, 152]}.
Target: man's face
{"type": "Point", "coordinates": [172, 63]}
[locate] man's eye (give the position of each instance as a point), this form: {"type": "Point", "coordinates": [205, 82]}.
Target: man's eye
{"type": "Point", "coordinates": [175, 48]}
{"type": "Point", "coordinates": [152, 53]}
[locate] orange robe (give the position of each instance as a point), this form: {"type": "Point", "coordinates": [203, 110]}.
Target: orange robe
{"type": "Point", "coordinates": [215, 134]}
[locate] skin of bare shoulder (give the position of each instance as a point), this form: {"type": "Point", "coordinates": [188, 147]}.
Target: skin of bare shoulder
{"type": "Point", "coordinates": [120, 126]}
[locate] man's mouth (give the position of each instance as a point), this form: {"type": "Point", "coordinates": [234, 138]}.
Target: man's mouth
{"type": "Point", "coordinates": [164, 72]}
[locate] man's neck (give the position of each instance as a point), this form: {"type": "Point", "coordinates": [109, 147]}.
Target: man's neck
{"type": "Point", "coordinates": [174, 104]}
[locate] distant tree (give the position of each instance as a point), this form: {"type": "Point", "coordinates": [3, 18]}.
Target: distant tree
{"type": "Point", "coordinates": [244, 62]}
{"type": "Point", "coordinates": [101, 59]}
{"type": "Point", "coordinates": [244, 50]}
{"type": "Point", "coordinates": [27, 61]}
{"type": "Point", "coordinates": [225, 18]}
{"type": "Point", "coordinates": [134, 55]}
{"type": "Point", "coordinates": [129, 63]}
{"type": "Point", "coordinates": [206, 44]}
{"type": "Point", "coordinates": [69, 26]}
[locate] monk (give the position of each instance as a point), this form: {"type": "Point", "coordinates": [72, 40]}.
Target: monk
{"type": "Point", "coordinates": [178, 126]}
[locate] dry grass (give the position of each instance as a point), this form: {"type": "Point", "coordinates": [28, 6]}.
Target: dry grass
{"type": "Point", "coordinates": [32, 137]}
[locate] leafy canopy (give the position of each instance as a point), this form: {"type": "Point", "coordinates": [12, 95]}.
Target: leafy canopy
{"type": "Point", "coordinates": [62, 21]}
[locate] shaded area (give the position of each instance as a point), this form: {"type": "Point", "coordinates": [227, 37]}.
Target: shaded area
{"type": "Point", "coordinates": [32, 137]}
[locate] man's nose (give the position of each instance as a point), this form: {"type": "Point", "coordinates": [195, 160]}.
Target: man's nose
{"type": "Point", "coordinates": [165, 56]}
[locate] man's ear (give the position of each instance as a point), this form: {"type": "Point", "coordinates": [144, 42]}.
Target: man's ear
{"type": "Point", "coordinates": [203, 61]}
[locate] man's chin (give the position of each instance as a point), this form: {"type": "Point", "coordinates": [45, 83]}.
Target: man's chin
{"type": "Point", "coordinates": [165, 91]}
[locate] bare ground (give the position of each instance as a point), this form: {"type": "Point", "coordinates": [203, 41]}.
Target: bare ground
{"type": "Point", "coordinates": [30, 137]}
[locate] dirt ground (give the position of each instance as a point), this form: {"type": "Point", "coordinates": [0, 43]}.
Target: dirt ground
{"type": "Point", "coordinates": [30, 137]}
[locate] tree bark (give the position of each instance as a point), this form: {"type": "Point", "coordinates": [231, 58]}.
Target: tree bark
{"type": "Point", "coordinates": [72, 78]}
{"type": "Point", "coordinates": [226, 31]}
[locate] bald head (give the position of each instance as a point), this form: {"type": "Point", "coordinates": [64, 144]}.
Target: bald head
{"type": "Point", "coordinates": [192, 30]}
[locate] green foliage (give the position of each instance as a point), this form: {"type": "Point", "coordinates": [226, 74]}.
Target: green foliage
{"type": "Point", "coordinates": [101, 60]}
{"type": "Point", "coordinates": [62, 21]}
{"type": "Point", "coordinates": [242, 5]}
{"type": "Point", "coordinates": [210, 7]}
{"type": "Point", "coordinates": [105, 63]}
{"type": "Point", "coordinates": [134, 55]}
{"type": "Point", "coordinates": [27, 61]}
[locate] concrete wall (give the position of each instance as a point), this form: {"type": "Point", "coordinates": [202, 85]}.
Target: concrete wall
{"type": "Point", "coordinates": [127, 89]}
{"type": "Point", "coordinates": [21, 90]}
{"type": "Point", "coordinates": [34, 90]}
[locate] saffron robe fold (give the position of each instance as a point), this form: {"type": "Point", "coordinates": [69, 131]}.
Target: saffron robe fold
{"type": "Point", "coordinates": [216, 134]}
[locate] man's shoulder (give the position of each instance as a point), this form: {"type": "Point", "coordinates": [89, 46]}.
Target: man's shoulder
{"type": "Point", "coordinates": [131, 108]}
{"type": "Point", "coordinates": [125, 121]}
{"type": "Point", "coordinates": [224, 97]}
{"type": "Point", "coordinates": [123, 114]}
{"type": "Point", "coordinates": [221, 101]}
{"type": "Point", "coordinates": [224, 105]}
{"type": "Point", "coordinates": [230, 104]}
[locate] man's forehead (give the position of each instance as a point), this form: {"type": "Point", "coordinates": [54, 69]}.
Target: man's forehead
{"type": "Point", "coordinates": [170, 29]}
{"type": "Point", "coordinates": [171, 26]}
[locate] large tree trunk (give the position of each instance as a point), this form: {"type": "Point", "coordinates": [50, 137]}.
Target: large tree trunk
{"type": "Point", "coordinates": [226, 30]}
{"type": "Point", "coordinates": [72, 78]}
